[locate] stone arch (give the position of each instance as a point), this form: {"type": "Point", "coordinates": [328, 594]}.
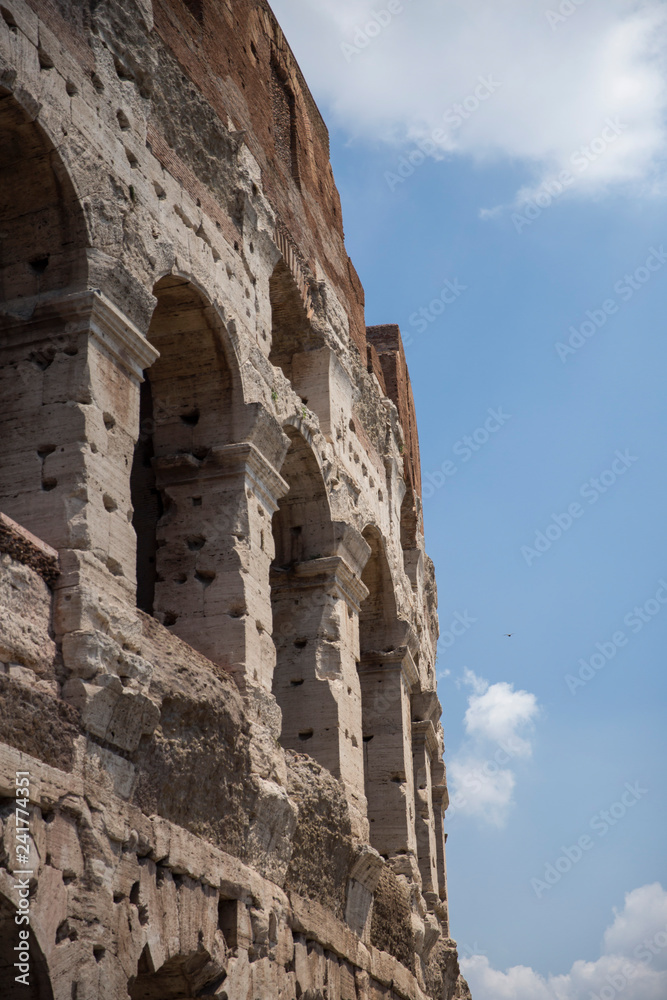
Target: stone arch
{"type": "Point", "coordinates": [42, 252]}
{"type": "Point", "coordinates": [179, 978]}
{"type": "Point", "coordinates": [44, 234]}
{"type": "Point", "coordinates": [39, 987]}
{"type": "Point", "coordinates": [187, 517]}
{"type": "Point", "coordinates": [291, 330]}
{"type": "Point", "coordinates": [387, 675]}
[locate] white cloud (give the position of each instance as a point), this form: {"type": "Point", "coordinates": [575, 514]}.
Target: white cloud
{"type": "Point", "coordinates": [632, 964]}
{"type": "Point", "coordinates": [559, 85]}
{"type": "Point", "coordinates": [497, 722]}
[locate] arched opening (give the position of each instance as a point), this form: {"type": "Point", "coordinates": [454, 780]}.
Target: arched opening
{"type": "Point", "coordinates": [302, 605]}
{"type": "Point", "coordinates": [42, 229]}
{"type": "Point", "coordinates": [291, 330]}
{"type": "Point", "coordinates": [180, 978]}
{"type": "Point", "coordinates": [38, 986]}
{"type": "Point", "coordinates": [183, 516]}
{"type": "Point", "coordinates": [42, 251]}
{"type": "Point", "coordinates": [384, 672]}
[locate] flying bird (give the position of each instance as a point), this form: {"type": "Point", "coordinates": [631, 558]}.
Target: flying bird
{"type": "Point", "coordinates": [509, 634]}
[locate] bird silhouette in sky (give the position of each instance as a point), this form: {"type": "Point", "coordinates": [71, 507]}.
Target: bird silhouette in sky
{"type": "Point", "coordinates": [509, 634]}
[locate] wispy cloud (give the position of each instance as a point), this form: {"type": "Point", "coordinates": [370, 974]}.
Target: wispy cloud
{"type": "Point", "coordinates": [498, 724]}
{"type": "Point", "coordinates": [632, 964]}
{"type": "Point", "coordinates": [558, 84]}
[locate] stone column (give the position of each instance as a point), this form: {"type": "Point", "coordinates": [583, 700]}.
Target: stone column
{"type": "Point", "coordinates": [387, 680]}
{"type": "Point", "coordinates": [425, 749]}
{"type": "Point", "coordinates": [440, 802]}
{"type": "Point", "coordinates": [69, 379]}
{"type": "Point", "coordinates": [215, 549]}
{"type": "Point", "coordinates": [316, 632]}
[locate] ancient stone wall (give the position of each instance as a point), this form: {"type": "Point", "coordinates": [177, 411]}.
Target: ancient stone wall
{"type": "Point", "coordinates": [217, 620]}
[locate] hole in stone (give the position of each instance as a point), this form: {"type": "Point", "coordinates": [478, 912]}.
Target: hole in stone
{"type": "Point", "coordinates": [118, 897]}
{"type": "Point", "coordinates": [134, 894]}
{"type": "Point", "coordinates": [49, 484]}
{"type": "Point", "coordinates": [196, 542]}
{"type": "Point", "coordinates": [99, 952]}
{"type": "Point", "coordinates": [352, 427]}
{"type": "Point", "coordinates": [123, 120]}
{"type": "Point", "coordinates": [180, 578]}
{"type": "Point", "coordinates": [97, 83]}
{"type": "Point", "coordinates": [131, 158]}
{"type": "Point", "coordinates": [45, 60]}
{"type": "Point", "coordinates": [170, 618]}
{"type": "Point", "coordinates": [109, 503]}
{"type": "Point", "coordinates": [367, 739]}
{"type": "Point", "coordinates": [205, 577]}
{"type": "Point", "coordinates": [9, 19]}
{"type": "Point", "coordinates": [160, 191]}
{"type": "Point", "coordinates": [123, 72]}
{"type": "Point", "coordinates": [200, 453]}
{"type": "Point", "coordinates": [46, 449]}
{"type": "Point", "coordinates": [397, 780]}
{"type": "Point", "coordinates": [191, 419]}
{"type": "Point", "coordinates": [109, 421]}
{"type": "Point", "coordinates": [196, 501]}
{"type": "Point", "coordinates": [296, 684]}
{"type": "Point", "coordinates": [71, 88]}
{"type": "Point", "coordinates": [40, 264]}
{"type": "Point", "coordinates": [237, 612]}
{"type": "Point", "coordinates": [306, 734]}
{"type": "Point", "coordinates": [300, 643]}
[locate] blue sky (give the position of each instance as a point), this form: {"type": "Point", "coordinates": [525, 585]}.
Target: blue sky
{"type": "Point", "coordinates": [538, 247]}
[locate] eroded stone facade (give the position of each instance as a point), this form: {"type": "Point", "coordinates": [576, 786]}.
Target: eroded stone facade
{"type": "Point", "coordinates": [218, 622]}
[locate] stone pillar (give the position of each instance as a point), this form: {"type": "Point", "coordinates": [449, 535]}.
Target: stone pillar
{"type": "Point", "coordinates": [440, 802]}
{"type": "Point", "coordinates": [424, 749]}
{"type": "Point", "coordinates": [387, 680]}
{"type": "Point", "coordinates": [214, 553]}
{"type": "Point", "coordinates": [69, 383]}
{"type": "Point", "coordinates": [316, 633]}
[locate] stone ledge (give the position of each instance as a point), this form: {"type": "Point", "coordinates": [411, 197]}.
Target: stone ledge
{"type": "Point", "coordinates": [26, 548]}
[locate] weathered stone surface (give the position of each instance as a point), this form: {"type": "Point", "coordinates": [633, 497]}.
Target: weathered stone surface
{"type": "Point", "coordinates": [218, 622]}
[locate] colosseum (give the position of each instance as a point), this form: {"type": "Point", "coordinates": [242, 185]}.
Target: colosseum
{"type": "Point", "coordinates": [220, 742]}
